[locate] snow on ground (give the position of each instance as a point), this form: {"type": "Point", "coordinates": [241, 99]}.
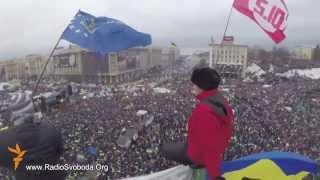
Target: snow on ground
{"type": "Point", "coordinates": [313, 73]}
{"type": "Point", "coordinates": [255, 69]}
{"type": "Point", "coordinates": [161, 90]}
{"type": "Point", "coordinates": [267, 86]}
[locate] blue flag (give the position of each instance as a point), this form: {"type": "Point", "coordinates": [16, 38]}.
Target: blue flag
{"type": "Point", "coordinates": [103, 34]}
{"type": "Point", "coordinates": [92, 151]}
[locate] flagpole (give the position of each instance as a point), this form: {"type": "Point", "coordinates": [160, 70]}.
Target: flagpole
{"type": "Point", "coordinates": [48, 60]}
{"type": "Point", "coordinates": [46, 64]}
{"type": "Point", "coordinates": [211, 52]}
{"type": "Point", "coordinates": [225, 154]}
{"type": "Point", "coordinates": [228, 22]}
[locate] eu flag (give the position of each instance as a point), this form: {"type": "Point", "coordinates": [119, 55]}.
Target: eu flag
{"type": "Point", "coordinates": [103, 34]}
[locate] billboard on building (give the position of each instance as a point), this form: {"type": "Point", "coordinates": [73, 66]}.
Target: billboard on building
{"type": "Point", "coordinates": [228, 39]}
{"type": "Point", "coordinates": [65, 60]}
{"type": "Point", "coordinates": [128, 60]}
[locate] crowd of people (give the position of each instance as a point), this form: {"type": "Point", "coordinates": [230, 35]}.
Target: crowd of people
{"type": "Point", "coordinates": [277, 115]}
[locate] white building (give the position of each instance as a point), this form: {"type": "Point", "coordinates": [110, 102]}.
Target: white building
{"type": "Point", "coordinates": [229, 59]}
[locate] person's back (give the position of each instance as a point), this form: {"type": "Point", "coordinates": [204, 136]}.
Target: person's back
{"type": "Point", "coordinates": [209, 131]}
{"type": "Point", "coordinates": [210, 126]}
{"type": "Point", "coordinates": [42, 144]}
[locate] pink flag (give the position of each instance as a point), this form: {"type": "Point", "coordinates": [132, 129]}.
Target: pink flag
{"type": "Point", "coordinates": [270, 15]}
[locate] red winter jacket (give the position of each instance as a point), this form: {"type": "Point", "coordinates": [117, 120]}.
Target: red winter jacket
{"type": "Point", "coordinates": [209, 133]}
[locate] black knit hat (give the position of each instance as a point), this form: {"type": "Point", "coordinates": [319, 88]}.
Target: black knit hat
{"type": "Point", "coordinates": [206, 78]}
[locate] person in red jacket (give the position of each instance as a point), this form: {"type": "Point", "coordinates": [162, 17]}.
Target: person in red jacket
{"type": "Point", "coordinates": [210, 126]}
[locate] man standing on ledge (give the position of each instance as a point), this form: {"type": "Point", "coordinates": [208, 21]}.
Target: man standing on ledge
{"type": "Point", "coordinates": [210, 126]}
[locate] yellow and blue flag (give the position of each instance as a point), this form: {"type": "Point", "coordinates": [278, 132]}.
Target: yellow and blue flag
{"type": "Point", "coordinates": [103, 34]}
{"type": "Point", "coordinates": [266, 166]}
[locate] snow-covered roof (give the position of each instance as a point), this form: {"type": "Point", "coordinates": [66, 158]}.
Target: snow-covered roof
{"type": "Point", "coordinates": [313, 73]}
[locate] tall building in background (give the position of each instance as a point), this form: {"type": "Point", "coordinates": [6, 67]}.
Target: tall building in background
{"type": "Point", "coordinates": [302, 53]}
{"type": "Point", "coordinates": [229, 59]}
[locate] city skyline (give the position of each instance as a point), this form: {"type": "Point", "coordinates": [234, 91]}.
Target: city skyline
{"type": "Point", "coordinates": [32, 27]}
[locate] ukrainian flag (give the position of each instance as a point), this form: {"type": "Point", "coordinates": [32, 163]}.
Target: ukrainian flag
{"type": "Point", "coordinates": [266, 166]}
{"type": "Point", "coordinates": [174, 45]}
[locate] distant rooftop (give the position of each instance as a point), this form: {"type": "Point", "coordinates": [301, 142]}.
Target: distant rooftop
{"type": "Point", "coordinates": [227, 41]}
{"type": "Point", "coordinates": [77, 49]}
{"type": "Point", "coordinates": [70, 49]}
{"type": "Point", "coordinates": [236, 45]}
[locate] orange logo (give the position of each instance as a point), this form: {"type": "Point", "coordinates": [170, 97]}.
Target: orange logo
{"type": "Point", "coordinates": [17, 160]}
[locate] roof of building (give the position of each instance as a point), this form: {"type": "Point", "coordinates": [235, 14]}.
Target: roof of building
{"type": "Point", "coordinates": [72, 49]}
{"type": "Point", "coordinates": [76, 49]}
{"type": "Point", "coordinates": [235, 45]}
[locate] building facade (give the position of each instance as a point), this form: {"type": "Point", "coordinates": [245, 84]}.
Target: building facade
{"type": "Point", "coordinates": [34, 65]}
{"type": "Point", "coordinates": [303, 53]}
{"type": "Point", "coordinates": [26, 68]}
{"type": "Point", "coordinates": [2, 71]}
{"type": "Point", "coordinates": [67, 64]}
{"type": "Point", "coordinates": [228, 58]}
{"type": "Point", "coordinates": [13, 69]}
{"type": "Point", "coordinates": [80, 65]}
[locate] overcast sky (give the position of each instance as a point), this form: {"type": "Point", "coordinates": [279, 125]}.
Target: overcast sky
{"type": "Point", "coordinates": [33, 26]}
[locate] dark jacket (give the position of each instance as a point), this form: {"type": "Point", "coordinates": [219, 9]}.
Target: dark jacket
{"type": "Point", "coordinates": [209, 131]}
{"type": "Point", "coordinates": [43, 144]}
